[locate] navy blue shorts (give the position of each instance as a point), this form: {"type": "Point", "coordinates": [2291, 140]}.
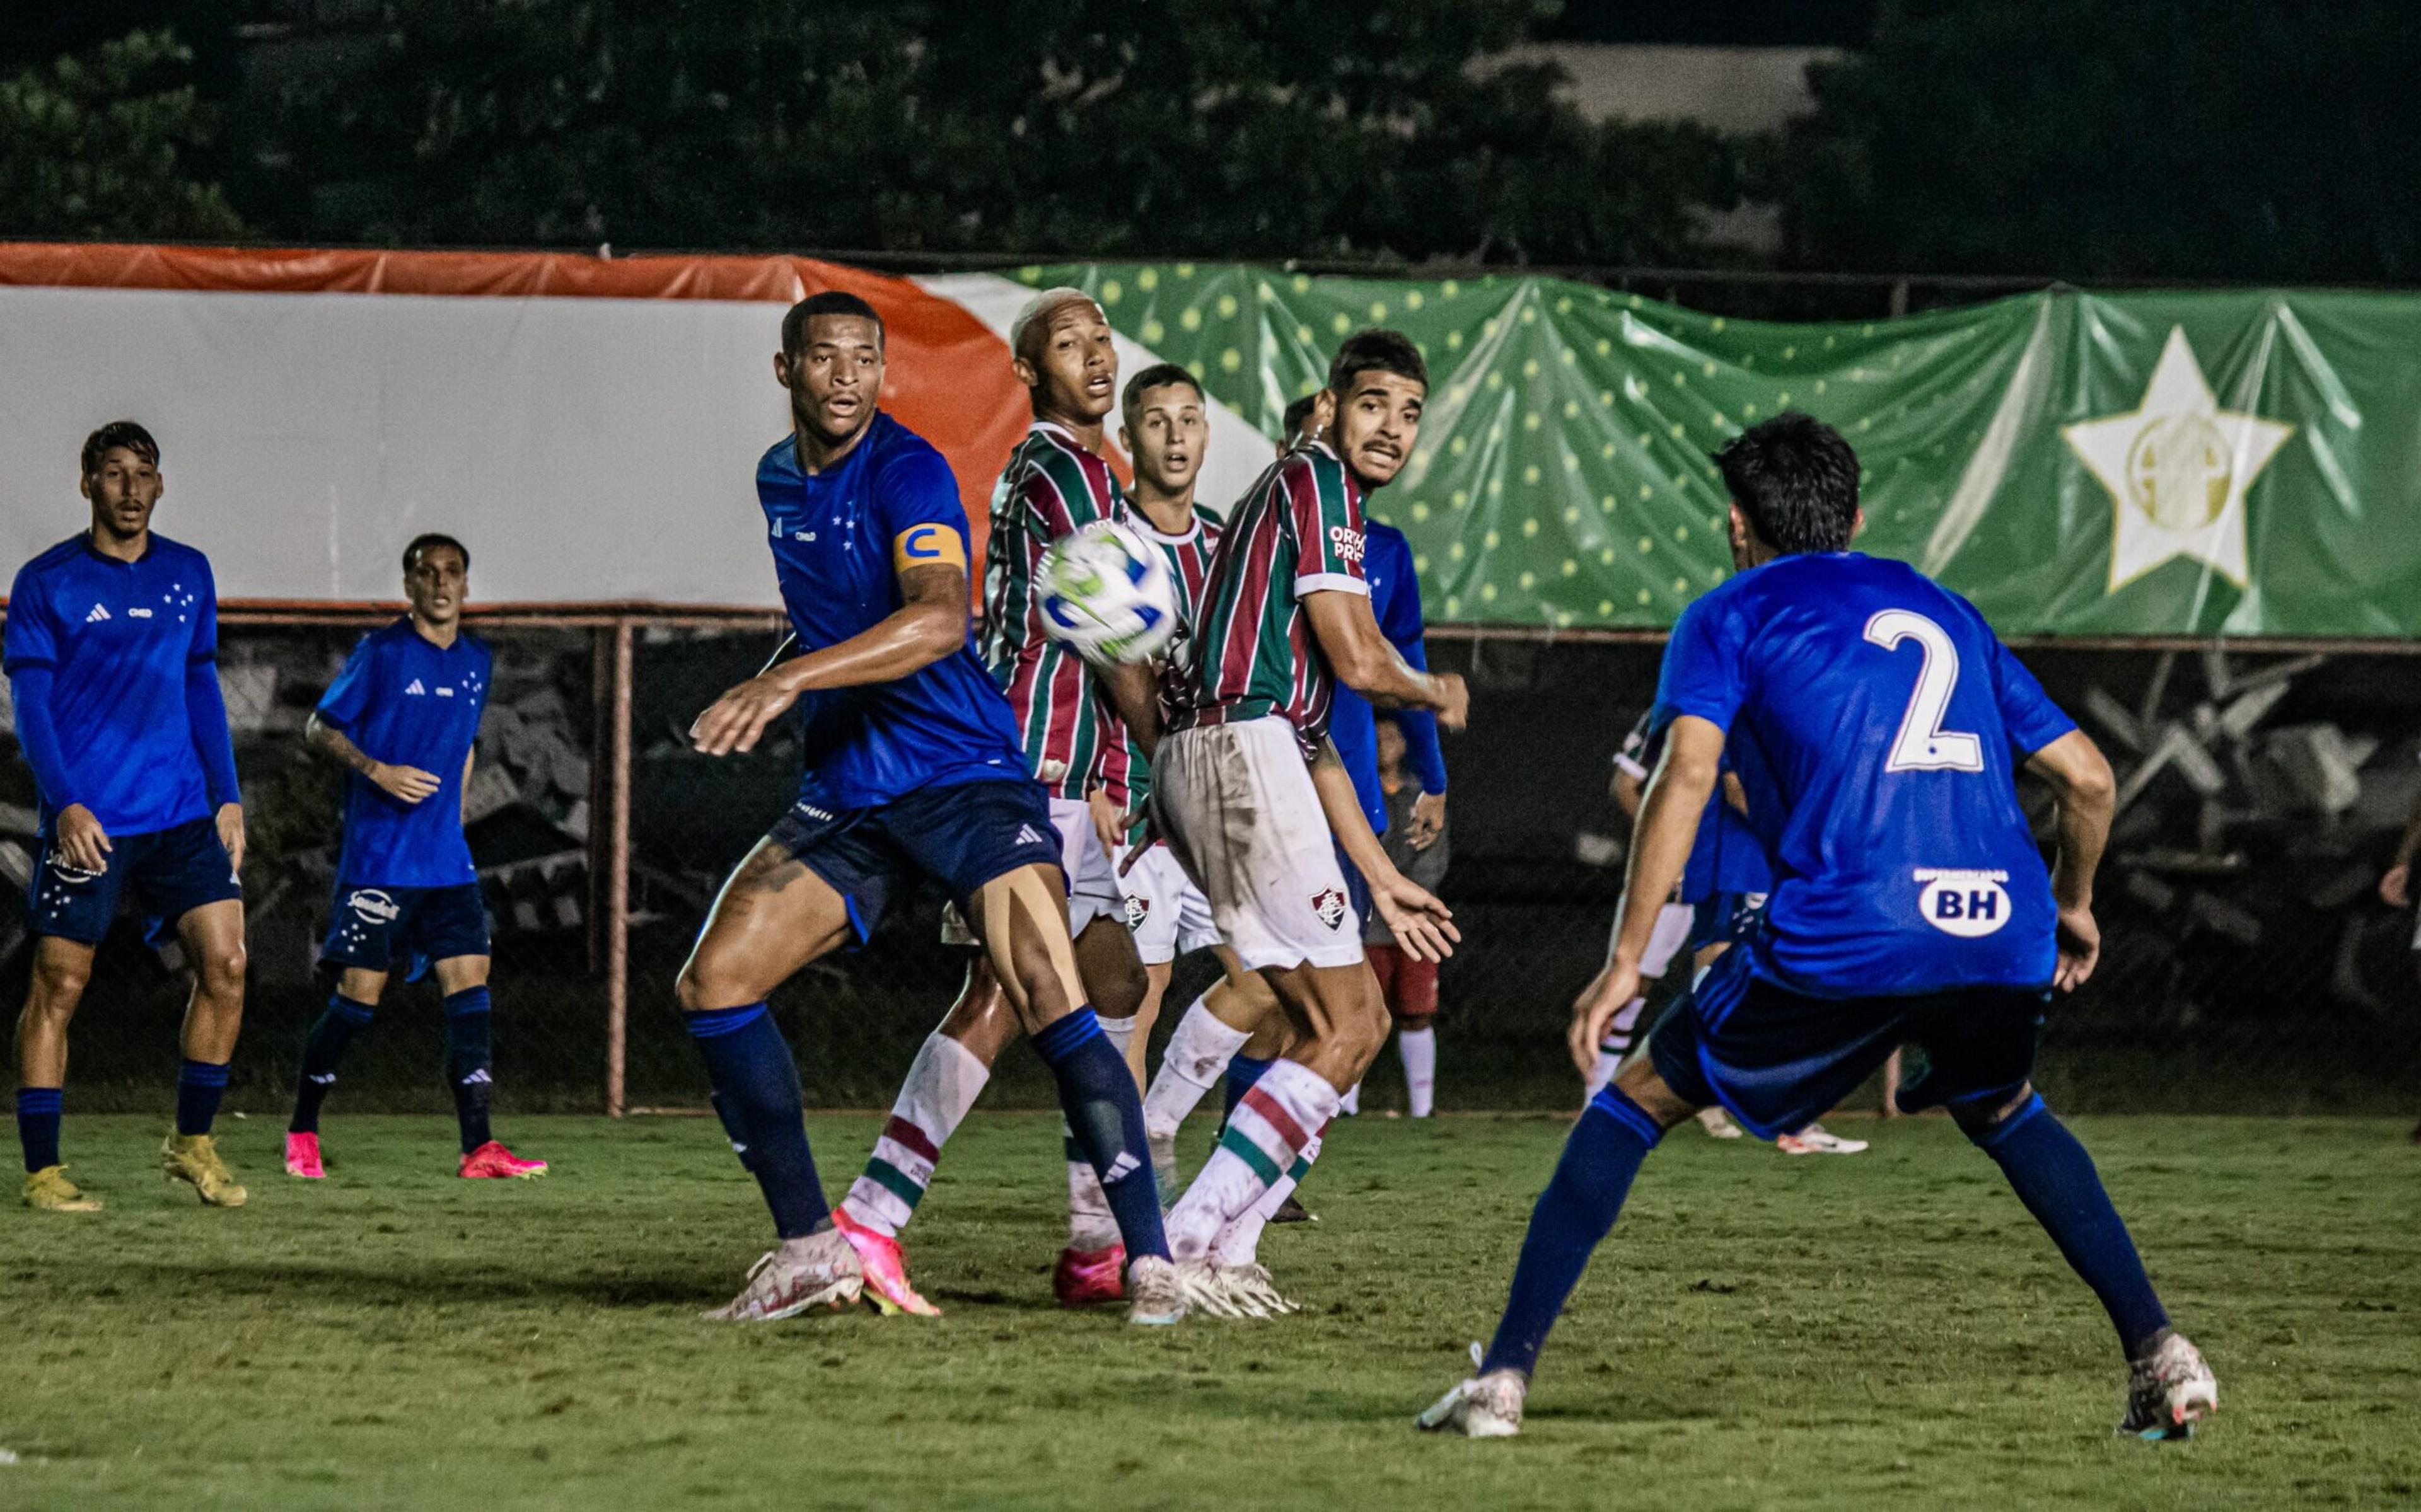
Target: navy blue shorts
{"type": "Point", "coordinates": [378, 927]}
{"type": "Point", "coordinates": [171, 872]}
{"type": "Point", "coordinates": [963, 836]}
{"type": "Point", "coordinates": [1723, 919]}
{"type": "Point", "coordinates": [1780, 1060]}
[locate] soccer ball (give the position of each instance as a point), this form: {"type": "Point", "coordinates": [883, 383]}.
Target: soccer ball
{"type": "Point", "coordinates": [1107, 594]}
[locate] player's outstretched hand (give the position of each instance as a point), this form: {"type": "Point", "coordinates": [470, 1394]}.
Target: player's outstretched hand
{"type": "Point", "coordinates": [231, 834]}
{"type": "Point", "coordinates": [1429, 820]}
{"type": "Point", "coordinates": [405, 784]}
{"type": "Point", "coordinates": [1454, 699]}
{"type": "Point", "coordinates": [1595, 1008]}
{"type": "Point", "coordinates": [82, 839]}
{"type": "Point", "coordinates": [737, 721]}
{"type": "Point", "coordinates": [2394, 886]}
{"type": "Point", "coordinates": [2080, 947]}
{"type": "Point", "coordinates": [1422, 925]}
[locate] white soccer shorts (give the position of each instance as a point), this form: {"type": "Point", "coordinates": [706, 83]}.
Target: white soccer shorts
{"type": "Point", "coordinates": [1167, 912]}
{"type": "Point", "coordinates": [1092, 882]}
{"type": "Point", "coordinates": [1237, 805]}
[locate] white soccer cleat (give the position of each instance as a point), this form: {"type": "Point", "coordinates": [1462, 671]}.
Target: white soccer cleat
{"type": "Point", "coordinates": [1482, 1407]}
{"type": "Point", "coordinates": [1718, 1124]}
{"type": "Point", "coordinates": [818, 1270]}
{"type": "Point", "coordinates": [1813, 1140]}
{"type": "Point", "coordinates": [1253, 1291]}
{"type": "Point", "coordinates": [1157, 1295]}
{"type": "Point", "coordinates": [2168, 1391]}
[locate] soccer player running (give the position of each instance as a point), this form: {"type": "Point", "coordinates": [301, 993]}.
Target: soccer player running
{"type": "Point", "coordinates": [1057, 482]}
{"type": "Point", "coordinates": [112, 657]}
{"type": "Point", "coordinates": [1286, 615]}
{"type": "Point", "coordinates": [913, 764]}
{"type": "Point", "coordinates": [1873, 717]}
{"type": "Point", "coordinates": [401, 718]}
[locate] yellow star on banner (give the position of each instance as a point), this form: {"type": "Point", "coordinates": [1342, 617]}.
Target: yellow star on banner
{"type": "Point", "coordinates": [2178, 468]}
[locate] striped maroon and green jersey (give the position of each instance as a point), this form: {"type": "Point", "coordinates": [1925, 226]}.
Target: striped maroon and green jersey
{"type": "Point", "coordinates": [1251, 653]}
{"type": "Point", "coordinates": [1050, 487]}
{"type": "Point", "coordinates": [1125, 774]}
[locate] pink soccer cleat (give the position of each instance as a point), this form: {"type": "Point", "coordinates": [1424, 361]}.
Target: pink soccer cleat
{"type": "Point", "coordinates": [303, 1157]}
{"type": "Point", "coordinates": [493, 1162]}
{"type": "Point", "coordinates": [1083, 1277]}
{"type": "Point", "coordinates": [886, 1269]}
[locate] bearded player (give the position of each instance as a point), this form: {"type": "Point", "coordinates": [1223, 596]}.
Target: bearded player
{"type": "Point", "coordinates": [1874, 720]}
{"type": "Point", "coordinates": [914, 767]}
{"type": "Point", "coordinates": [1286, 615]}
{"type": "Point", "coordinates": [1057, 481]}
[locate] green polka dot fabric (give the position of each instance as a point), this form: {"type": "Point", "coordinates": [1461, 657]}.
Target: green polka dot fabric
{"type": "Point", "coordinates": [2156, 463]}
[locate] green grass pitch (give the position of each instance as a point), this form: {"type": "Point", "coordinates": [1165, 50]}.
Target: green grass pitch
{"type": "Point", "coordinates": [1888, 1331]}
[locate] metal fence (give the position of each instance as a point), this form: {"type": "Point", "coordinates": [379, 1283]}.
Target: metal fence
{"type": "Point", "coordinates": [2249, 965]}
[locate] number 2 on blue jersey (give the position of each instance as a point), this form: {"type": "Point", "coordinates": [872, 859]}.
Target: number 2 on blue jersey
{"type": "Point", "coordinates": [1922, 745]}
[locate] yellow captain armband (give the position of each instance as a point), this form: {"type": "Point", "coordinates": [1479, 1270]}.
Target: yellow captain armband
{"type": "Point", "coordinates": [928, 545]}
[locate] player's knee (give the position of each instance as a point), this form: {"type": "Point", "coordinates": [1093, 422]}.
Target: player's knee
{"type": "Point", "coordinates": [704, 985]}
{"type": "Point", "coordinates": [57, 985]}
{"type": "Point", "coordinates": [221, 972]}
{"type": "Point", "coordinates": [1982, 1120]}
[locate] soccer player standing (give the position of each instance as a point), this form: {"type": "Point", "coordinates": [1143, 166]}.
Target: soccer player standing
{"type": "Point", "coordinates": [1872, 716]}
{"type": "Point", "coordinates": [914, 765]}
{"type": "Point", "coordinates": [402, 718]}
{"type": "Point", "coordinates": [112, 657]}
{"type": "Point", "coordinates": [1287, 614]}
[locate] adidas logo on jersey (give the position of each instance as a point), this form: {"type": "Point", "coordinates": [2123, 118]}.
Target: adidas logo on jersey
{"type": "Point", "coordinates": [1028, 835]}
{"type": "Point", "coordinates": [416, 688]}
{"type": "Point", "coordinates": [98, 615]}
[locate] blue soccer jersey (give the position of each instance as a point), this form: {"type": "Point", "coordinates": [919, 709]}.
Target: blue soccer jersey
{"type": "Point", "coordinates": [840, 539]}
{"type": "Point", "coordinates": [1872, 716]}
{"type": "Point", "coordinates": [114, 668]}
{"type": "Point", "coordinates": [1352, 724]}
{"type": "Point", "coordinates": [408, 702]}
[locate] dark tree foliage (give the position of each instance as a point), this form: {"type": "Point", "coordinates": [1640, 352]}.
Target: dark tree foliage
{"type": "Point", "coordinates": [1210, 128]}
{"type": "Point", "coordinates": [111, 142]}
{"type": "Point", "coordinates": [2259, 140]}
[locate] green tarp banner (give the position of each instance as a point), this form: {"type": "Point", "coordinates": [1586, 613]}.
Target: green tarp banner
{"type": "Point", "coordinates": [2239, 462]}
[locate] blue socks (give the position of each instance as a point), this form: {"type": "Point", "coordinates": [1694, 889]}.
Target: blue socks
{"type": "Point", "coordinates": [1242, 1071]}
{"type": "Point", "coordinates": [344, 1019]}
{"type": "Point", "coordinates": [38, 1125]}
{"type": "Point", "coordinates": [1573, 1215]}
{"type": "Point", "coordinates": [1104, 1113]}
{"type": "Point", "coordinates": [757, 1093]}
{"type": "Point", "coordinates": [2054, 1177]}
{"type": "Point", "coordinates": [468, 1068]}
{"type": "Point", "coordinates": [200, 1087]}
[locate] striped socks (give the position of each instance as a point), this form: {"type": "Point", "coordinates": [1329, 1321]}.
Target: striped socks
{"type": "Point", "coordinates": [942, 1084]}
{"type": "Point", "coordinates": [1239, 1242]}
{"type": "Point", "coordinates": [1268, 1128]}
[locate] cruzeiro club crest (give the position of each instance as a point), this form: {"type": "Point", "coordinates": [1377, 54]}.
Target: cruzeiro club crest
{"type": "Point", "coordinates": [2177, 467]}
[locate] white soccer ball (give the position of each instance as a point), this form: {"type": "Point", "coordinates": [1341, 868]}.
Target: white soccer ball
{"type": "Point", "coordinates": [1107, 594]}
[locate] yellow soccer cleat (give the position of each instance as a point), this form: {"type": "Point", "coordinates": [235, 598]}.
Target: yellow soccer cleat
{"type": "Point", "coordinates": [195, 1158]}
{"type": "Point", "coordinates": [49, 1190]}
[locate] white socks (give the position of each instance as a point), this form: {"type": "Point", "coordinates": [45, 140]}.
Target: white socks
{"type": "Point", "coordinates": [942, 1084]}
{"type": "Point", "coordinates": [1266, 1135]}
{"type": "Point", "coordinates": [1198, 1050]}
{"type": "Point", "coordinates": [1418, 1047]}
{"type": "Point", "coordinates": [1620, 1033]}
{"type": "Point", "coordinates": [1239, 1242]}
{"type": "Point", "coordinates": [1350, 1103]}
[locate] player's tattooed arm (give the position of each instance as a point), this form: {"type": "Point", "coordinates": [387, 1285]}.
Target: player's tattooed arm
{"type": "Point", "coordinates": [1686, 776]}
{"type": "Point", "coordinates": [408, 785]}
{"type": "Point", "coordinates": [2088, 797]}
{"type": "Point", "coordinates": [929, 625]}
{"type": "Point", "coordinates": [1422, 925]}
{"type": "Point", "coordinates": [1367, 661]}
